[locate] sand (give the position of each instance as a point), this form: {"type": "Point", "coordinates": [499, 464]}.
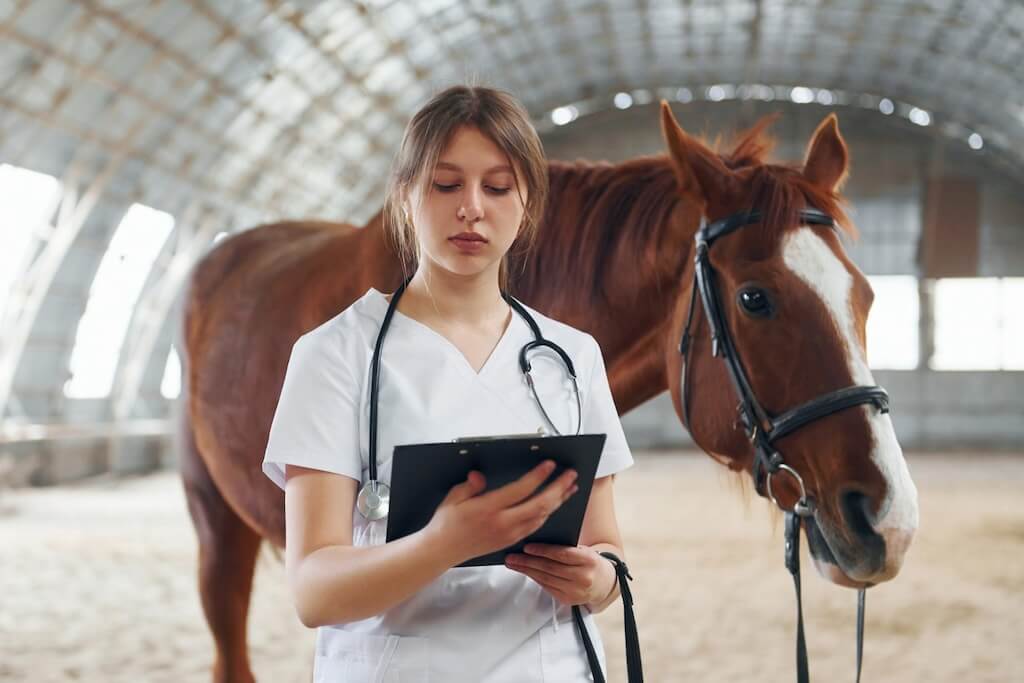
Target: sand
{"type": "Point", "coordinates": [98, 584]}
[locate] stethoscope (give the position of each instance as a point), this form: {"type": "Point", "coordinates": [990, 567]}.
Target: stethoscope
{"type": "Point", "coordinates": [375, 496]}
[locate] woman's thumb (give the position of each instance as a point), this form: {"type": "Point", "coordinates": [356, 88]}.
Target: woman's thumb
{"type": "Point", "coordinates": [474, 484]}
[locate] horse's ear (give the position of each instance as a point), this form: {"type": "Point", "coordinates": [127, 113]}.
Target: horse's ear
{"type": "Point", "coordinates": [697, 168]}
{"type": "Point", "coordinates": [827, 157]}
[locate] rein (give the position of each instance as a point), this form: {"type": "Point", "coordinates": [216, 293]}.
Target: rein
{"type": "Point", "coordinates": [762, 429]}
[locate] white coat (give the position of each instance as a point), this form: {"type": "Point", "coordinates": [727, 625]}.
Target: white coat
{"type": "Point", "coordinates": [479, 624]}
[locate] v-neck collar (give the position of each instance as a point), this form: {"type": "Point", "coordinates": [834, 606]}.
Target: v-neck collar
{"type": "Point", "coordinates": [383, 303]}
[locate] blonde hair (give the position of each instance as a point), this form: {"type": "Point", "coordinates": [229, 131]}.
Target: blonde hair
{"type": "Point", "coordinates": [498, 116]}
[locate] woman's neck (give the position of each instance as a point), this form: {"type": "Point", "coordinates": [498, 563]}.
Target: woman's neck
{"type": "Point", "coordinates": [462, 300]}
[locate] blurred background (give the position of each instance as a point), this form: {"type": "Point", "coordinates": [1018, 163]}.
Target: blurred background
{"type": "Point", "coordinates": [134, 134]}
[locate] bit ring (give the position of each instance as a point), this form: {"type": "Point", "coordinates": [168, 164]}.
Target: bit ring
{"type": "Point", "coordinates": [803, 506]}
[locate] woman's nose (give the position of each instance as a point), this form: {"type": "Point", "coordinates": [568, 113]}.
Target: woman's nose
{"type": "Point", "coordinates": [472, 209]}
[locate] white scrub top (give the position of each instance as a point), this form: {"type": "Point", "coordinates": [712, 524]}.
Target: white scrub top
{"type": "Point", "coordinates": [480, 624]}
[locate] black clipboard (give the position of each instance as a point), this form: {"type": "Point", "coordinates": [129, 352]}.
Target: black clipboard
{"type": "Point", "coordinates": [422, 474]}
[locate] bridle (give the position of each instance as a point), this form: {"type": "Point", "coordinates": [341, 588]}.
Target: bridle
{"type": "Point", "coordinates": [762, 429]}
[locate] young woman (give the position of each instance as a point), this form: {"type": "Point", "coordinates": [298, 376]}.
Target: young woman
{"type": "Point", "coordinates": [470, 180]}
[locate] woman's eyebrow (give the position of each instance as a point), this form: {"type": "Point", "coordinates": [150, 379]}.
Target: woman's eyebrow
{"type": "Point", "coordinates": [444, 165]}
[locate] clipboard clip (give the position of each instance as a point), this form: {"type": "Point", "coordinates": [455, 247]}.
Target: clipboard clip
{"type": "Point", "coordinates": [541, 432]}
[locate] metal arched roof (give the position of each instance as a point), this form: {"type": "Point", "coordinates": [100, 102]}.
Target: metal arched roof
{"type": "Point", "coordinates": [228, 112]}
{"type": "Point", "coordinates": [295, 107]}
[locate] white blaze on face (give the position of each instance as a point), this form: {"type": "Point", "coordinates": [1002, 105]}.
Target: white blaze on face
{"type": "Point", "coordinates": [813, 261]}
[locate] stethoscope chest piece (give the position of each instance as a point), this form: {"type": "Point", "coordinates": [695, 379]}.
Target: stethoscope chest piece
{"type": "Point", "coordinates": [374, 500]}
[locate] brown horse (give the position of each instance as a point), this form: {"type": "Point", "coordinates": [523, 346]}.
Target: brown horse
{"type": "Point", "coordinates": [615, 258]}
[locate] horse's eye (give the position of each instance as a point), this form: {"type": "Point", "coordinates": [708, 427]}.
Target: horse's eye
{"type": "Point", "coordinates": [755, 302]}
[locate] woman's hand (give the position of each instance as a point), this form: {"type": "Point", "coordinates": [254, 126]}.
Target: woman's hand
{"type": "Point", "coordinates": [573, 575]}
{"type": "Point", "coordinates": [469, 523]}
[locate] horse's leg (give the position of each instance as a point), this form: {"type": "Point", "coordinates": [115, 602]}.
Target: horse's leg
{"type": "Point", "coordinates": [227, 559]}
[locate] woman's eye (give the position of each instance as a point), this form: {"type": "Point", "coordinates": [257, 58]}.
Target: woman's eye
{"type": "Point", "coordinates": [755, 302]}
{"type": "Point", "coordinates": [442, 187]}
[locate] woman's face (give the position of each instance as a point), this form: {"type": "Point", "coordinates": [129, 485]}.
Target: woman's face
{"type": "Point", "coordinates": [469, 213]}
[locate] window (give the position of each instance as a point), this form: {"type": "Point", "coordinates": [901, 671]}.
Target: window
{"type": "Point", "coordinates": [170, 385]}
{"type": "Point", "coordinates": [122, 273]}
{"type": "Point", "coordinates": [893, 323]}
{"type": "Point", "coordinates": [979, 324]}
{"type": "Point", "coordinates": [29, 199]}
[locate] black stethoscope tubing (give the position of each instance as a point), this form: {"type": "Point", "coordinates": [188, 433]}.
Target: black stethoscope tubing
{"type": "Point", "coordinates": [374, 496]}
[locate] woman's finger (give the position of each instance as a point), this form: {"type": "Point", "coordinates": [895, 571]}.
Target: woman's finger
{"type": "Point", "coordinates": [549, 499]}
{"type": "Point", "coordinates": [521, 489]}
{"type": "Point", "coordinates": [564, 592]}
{"type": "Point", "coordinates": [559, 553]}
{"type": "Point", "coordinates": [554, 569]}
{"type": "Point", "coordinates": [550, 582]}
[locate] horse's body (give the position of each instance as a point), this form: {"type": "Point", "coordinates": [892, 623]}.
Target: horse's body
{"type": "Point", "coordinates": [612, 258]}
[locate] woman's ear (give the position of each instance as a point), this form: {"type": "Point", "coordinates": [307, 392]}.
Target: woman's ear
{"type": "Point", "coordinates": [520, 187]}
{"type": "Point", "coordinates": [407, 212]}
{"type": "Point", "coordinates": [410, 193]}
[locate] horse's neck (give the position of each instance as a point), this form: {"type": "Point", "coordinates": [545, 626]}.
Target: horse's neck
{"type": "Point", "coordinates": [601, 265]}
{"type": "Point", "coordinates": [346, 263]}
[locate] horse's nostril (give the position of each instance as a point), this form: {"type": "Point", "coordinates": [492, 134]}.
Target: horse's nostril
{"type": "Point", "coordinates": [864, 552]}
{"type": "Point", "coordinates": [856, 507]}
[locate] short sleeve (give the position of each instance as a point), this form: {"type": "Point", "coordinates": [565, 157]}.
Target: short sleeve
{"type": "Point", "coordinates": [601, 417]}
{"type": "Point", "coordinates": [316, 423]}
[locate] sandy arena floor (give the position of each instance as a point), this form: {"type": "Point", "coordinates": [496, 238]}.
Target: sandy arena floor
{"type": "Point", "coordinates": [98, 584]}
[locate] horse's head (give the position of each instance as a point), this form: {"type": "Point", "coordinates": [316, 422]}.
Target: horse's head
{"type": "Point", "coordinates": [789, 307]}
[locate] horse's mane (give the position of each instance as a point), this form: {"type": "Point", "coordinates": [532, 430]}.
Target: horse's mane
{"type": "Point", "coordinates": [621, 213]}
{"type": "Point", "coordinates": [600, 213]}
{"type": "Point", "coordinates": [779, 190]}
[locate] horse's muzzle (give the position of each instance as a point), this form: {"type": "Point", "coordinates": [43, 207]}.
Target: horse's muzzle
{"type": "Point", "coordinates": [854, 553]}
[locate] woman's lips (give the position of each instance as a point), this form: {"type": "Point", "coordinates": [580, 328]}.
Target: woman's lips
{"type": "Point", "coordinates": [468, 243]}
{"type": "Point", "coordinates": [469, 235]}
